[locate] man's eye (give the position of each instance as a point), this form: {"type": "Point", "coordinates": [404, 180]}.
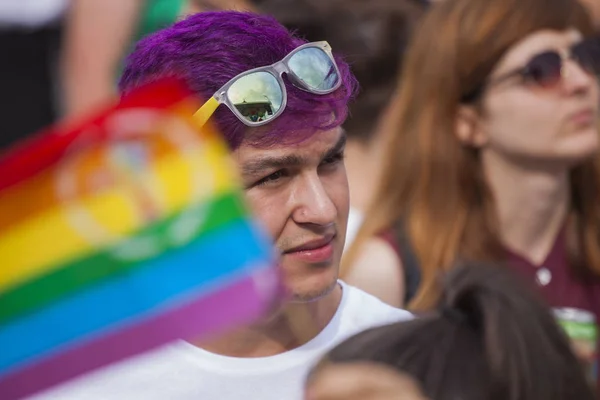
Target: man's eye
{"type": "Point", "coordinates": [275, 176]}
{"type": "Point", "coordinates": [334, 159]}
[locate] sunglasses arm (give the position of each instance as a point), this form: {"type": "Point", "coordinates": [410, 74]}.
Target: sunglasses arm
{"type": "Point", "coordinates": [206, 111]}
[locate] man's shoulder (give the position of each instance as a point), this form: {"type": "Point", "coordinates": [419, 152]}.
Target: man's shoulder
{"type": "Point", "coordinates": [365, 310]}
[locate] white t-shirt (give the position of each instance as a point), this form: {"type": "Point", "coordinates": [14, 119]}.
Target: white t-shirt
{"type": "Point", "coordinates": [181, 371]}
{"type": "Point", "coordinates": [30, 13]}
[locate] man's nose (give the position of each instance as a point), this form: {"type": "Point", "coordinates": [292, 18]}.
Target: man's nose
{"type": "Point", "coordinates": [313, 202]}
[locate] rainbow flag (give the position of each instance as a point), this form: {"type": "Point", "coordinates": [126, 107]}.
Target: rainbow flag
{"type": "Point", "coordinates": [121, 233]}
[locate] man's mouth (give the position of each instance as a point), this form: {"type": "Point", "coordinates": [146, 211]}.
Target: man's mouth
{"type": "Point", "coordinates": [318, 250]}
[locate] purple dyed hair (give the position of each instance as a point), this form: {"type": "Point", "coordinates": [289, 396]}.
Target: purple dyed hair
{"type": "Point", "coordinates": [210, 48]}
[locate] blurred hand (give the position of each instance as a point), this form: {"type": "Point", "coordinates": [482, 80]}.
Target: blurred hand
{"type": "Point", "coordinates": [361, 381]}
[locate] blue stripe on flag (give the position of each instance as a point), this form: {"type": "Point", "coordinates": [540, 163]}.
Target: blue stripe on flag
{"type": "Point", "coordinates": [225, 251]}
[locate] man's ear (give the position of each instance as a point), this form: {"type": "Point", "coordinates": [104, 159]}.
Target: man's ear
{"type": "Point", "coordinates": [468, 128]}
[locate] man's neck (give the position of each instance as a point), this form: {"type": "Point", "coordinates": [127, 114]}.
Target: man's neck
{"type": "Point", "coordinates": [532, 205]}
{"type": "Point", "coordinates": [290, 327]}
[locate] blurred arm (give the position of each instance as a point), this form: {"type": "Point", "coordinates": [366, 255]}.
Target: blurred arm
{"type": "Point", "coordinates": [204, 5]}
{"type": "Point", "coordinates": [378, 270]}
{"type": "Point", "coordinates": [97, 35]}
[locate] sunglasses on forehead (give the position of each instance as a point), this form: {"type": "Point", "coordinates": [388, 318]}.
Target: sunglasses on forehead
{"type": "Point", "coordinates": [258, 96]}
{"type": "Point", "coordinates": [546, 70]}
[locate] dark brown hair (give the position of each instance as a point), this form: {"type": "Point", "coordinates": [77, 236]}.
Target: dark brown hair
{"type": "Point", "coordinates": [371, 36]}
{"type": "Point", "coordinates": [491, 338]}
{"type": "Point", "coordinates": [434, 184]}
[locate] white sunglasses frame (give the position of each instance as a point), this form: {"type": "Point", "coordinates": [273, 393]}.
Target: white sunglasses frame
{"type": "Point", "coordinates": [276, 70]}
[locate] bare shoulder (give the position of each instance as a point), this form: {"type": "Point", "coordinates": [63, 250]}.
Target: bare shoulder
{"type": "Point", "coordinates": [378, 270]}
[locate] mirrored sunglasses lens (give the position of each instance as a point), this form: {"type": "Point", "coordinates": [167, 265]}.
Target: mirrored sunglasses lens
{"type": "Point", "coordinates": [256, 96]}
{"type": "Point", "coordinates": [314, 68]}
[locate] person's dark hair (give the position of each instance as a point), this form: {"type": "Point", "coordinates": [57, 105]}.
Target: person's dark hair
{"type": "Point", "coordinates": [491, 339]}
{"type": "Point", "coordinates": [371, 35]}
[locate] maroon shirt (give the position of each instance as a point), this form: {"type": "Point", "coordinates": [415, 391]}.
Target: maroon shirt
{"type": "Point", "coordinates": [558, 284]}
{"type": "Point", "coordinates": [563, 289]}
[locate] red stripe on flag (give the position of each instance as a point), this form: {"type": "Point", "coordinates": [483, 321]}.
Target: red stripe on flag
{"type": "Point", "coordinates": [44, 149]}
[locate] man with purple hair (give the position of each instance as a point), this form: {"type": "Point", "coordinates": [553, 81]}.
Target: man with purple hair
{"type": "Point", "coordinates": [280, 102]}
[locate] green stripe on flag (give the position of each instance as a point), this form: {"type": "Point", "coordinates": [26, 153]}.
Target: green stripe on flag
{"type": "Point", "coordinates": [172, 232]}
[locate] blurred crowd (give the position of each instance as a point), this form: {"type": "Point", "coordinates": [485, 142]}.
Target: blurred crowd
{"type": "Point", "coordinates": [472, 159]}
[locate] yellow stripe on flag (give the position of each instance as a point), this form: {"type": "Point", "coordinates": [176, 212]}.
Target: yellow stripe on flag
{"type": "Point", "coordinates": [50, 239]}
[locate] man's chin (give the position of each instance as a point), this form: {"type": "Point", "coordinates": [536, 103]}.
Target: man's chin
{"type": "Point", "coordinates": [309, 282]}
{"type": "Point", "coordinates": [300, 295]}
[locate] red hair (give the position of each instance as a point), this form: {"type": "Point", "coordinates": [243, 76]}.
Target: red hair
{"type": "Point", "coordinates": [435, 185]}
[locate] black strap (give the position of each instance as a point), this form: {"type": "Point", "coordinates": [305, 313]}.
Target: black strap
{"type": "Point", "coordinates": [410, 263]}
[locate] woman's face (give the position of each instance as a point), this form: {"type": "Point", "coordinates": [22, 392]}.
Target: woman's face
{"type": "Point", "coordinates": [523, 121]}
{"type": "Point", "coordinates": [593, 7]}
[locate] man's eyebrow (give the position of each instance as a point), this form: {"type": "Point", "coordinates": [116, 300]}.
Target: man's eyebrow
{"type": "Point", "coordinates": [260, 165]}
{"type": "Point", "coordinates": [337, 148]}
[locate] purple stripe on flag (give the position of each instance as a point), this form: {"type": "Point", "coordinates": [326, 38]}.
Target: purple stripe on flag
{"type": "Point", "coordinates": [240, 302]}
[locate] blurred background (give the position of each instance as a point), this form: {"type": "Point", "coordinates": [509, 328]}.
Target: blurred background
{"type": "Point", "coordinates": [61, 58]}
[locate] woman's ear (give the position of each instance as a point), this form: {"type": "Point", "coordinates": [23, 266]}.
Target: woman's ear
{"type": "Point", "coordinates": [468, 128]}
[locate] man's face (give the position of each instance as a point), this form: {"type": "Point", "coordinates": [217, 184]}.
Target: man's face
{"type": "Point", "coordinates": [300, 194]}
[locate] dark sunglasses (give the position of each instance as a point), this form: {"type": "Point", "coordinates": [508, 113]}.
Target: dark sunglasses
{"type": "Point", "coordinates": [546, 69]}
